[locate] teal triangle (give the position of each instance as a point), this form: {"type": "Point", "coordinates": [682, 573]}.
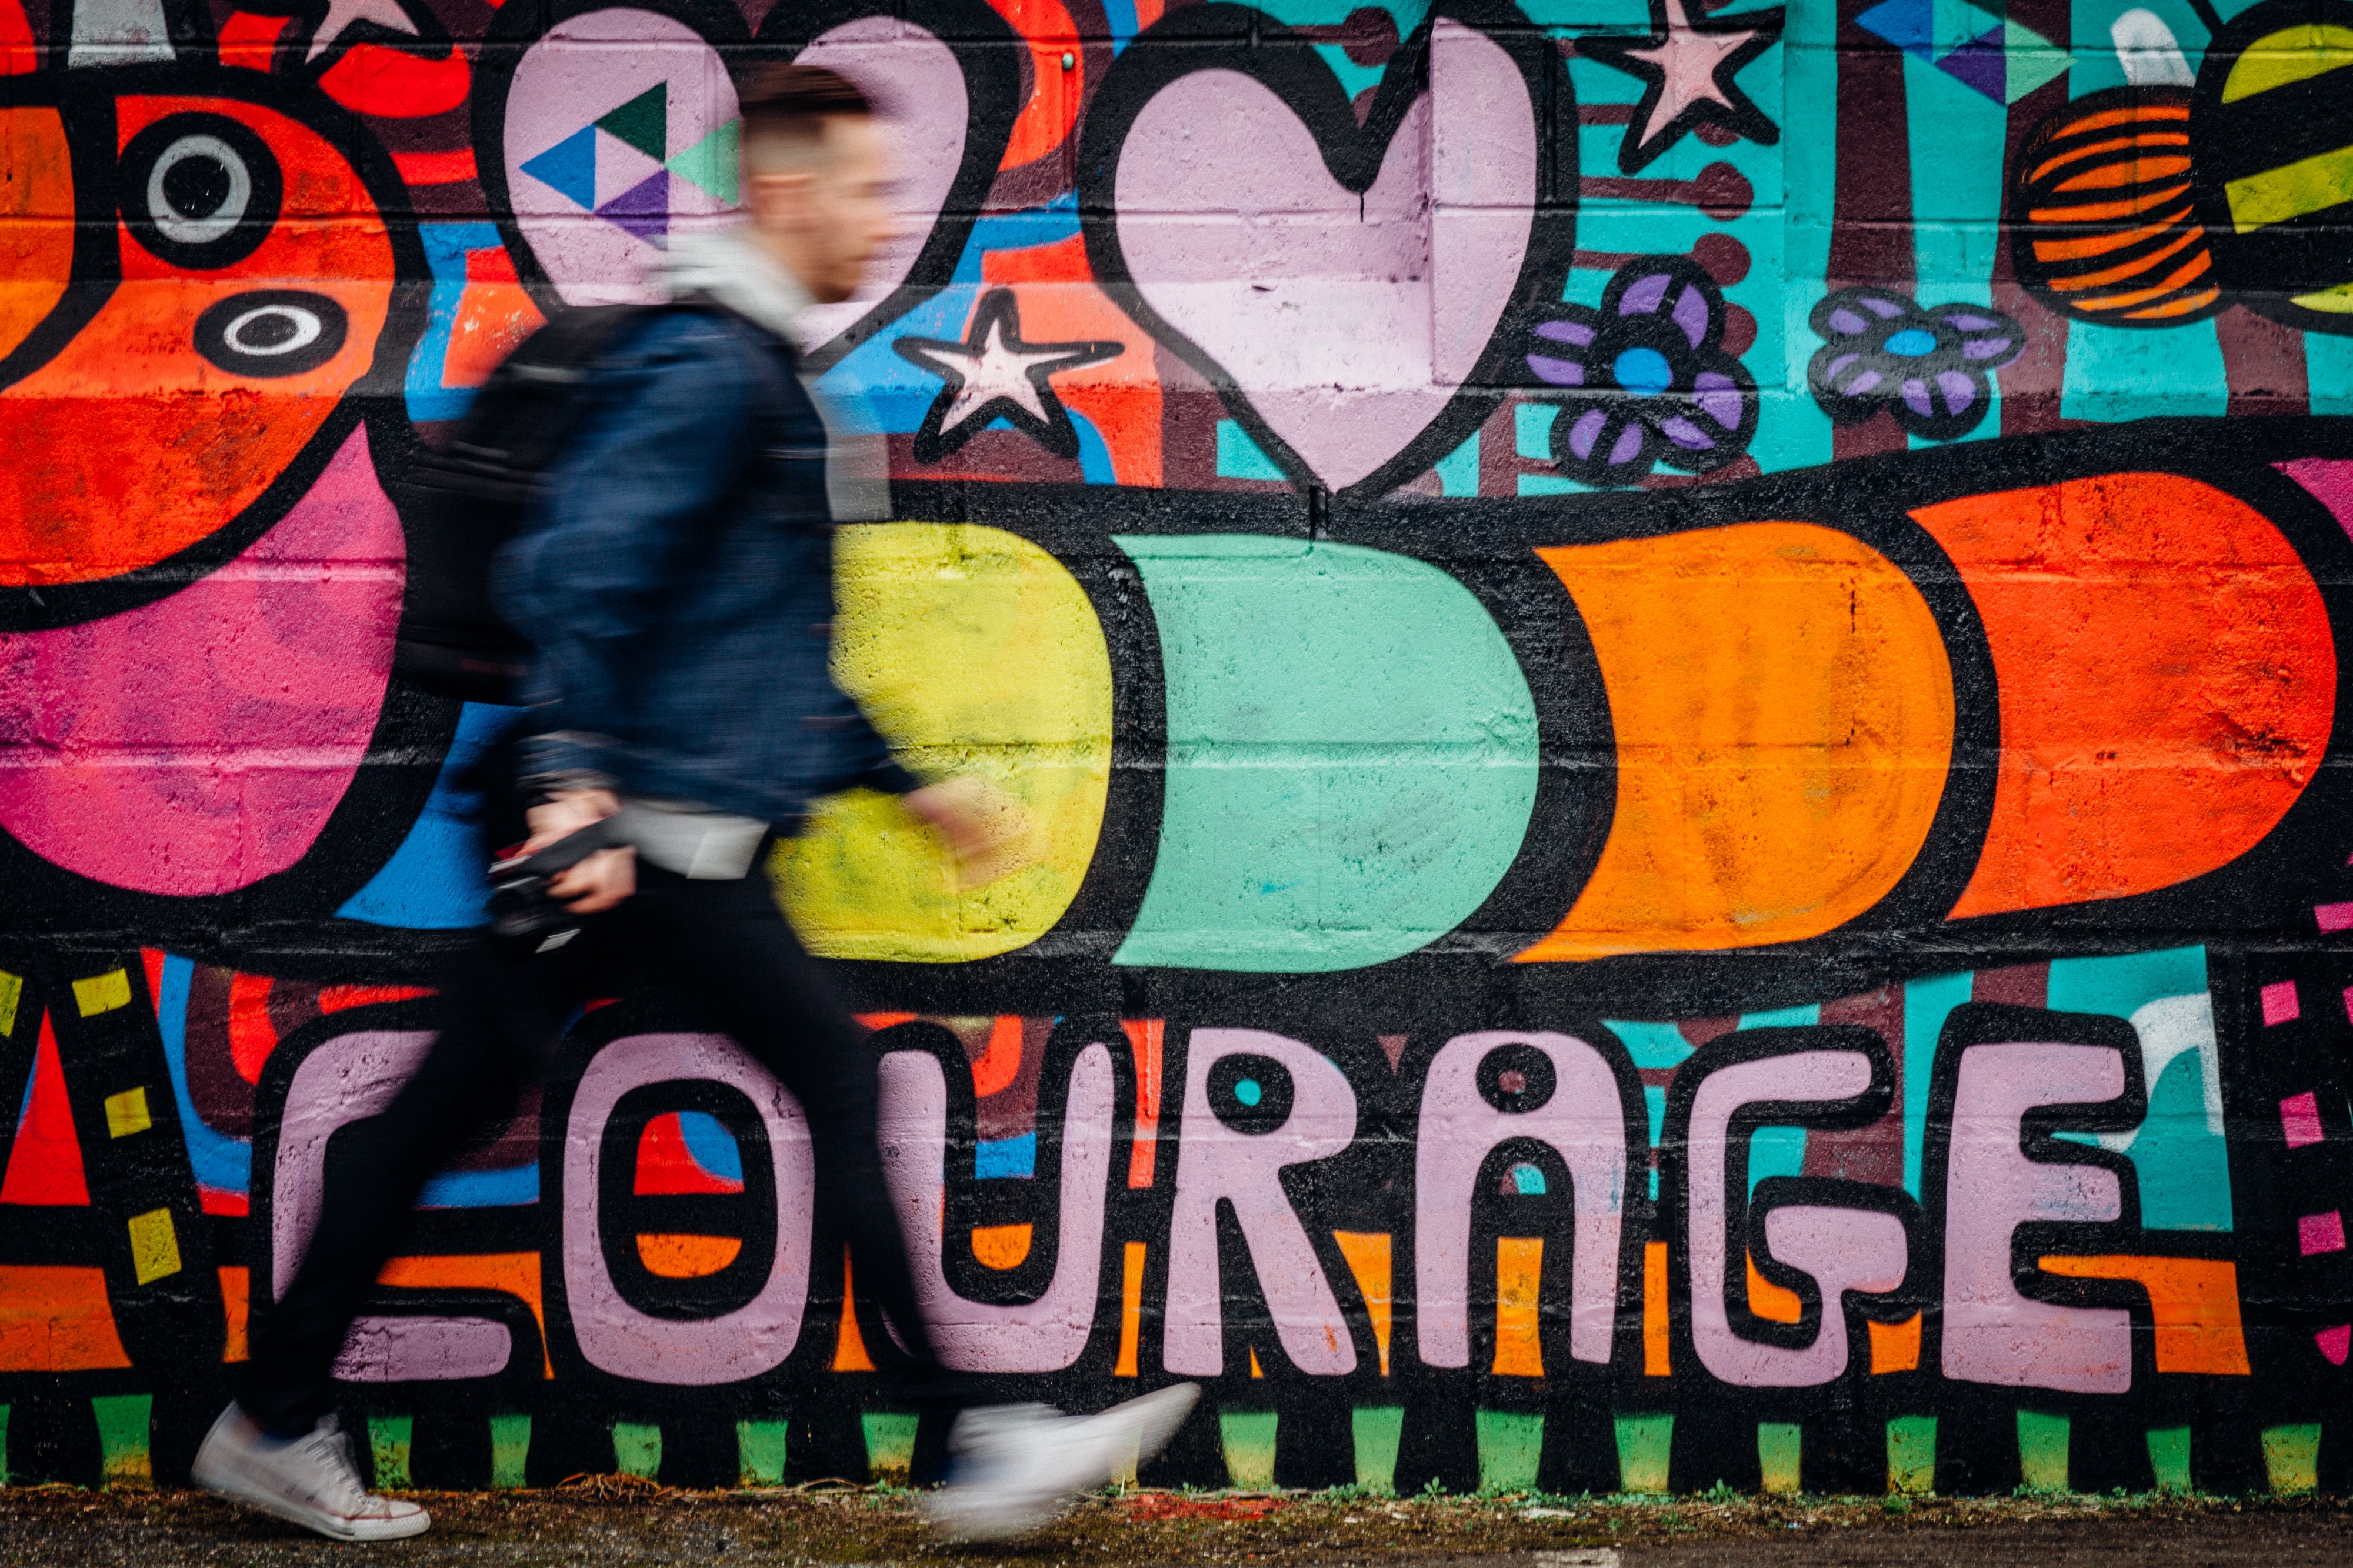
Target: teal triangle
{"type": "Point", "coordinates": [1909, 25]}
{"type": "Point", "coordinates": [1958, 22]}
{"type": "Point", "coordinates": [712, 162]}
{"type": "Point", "coordinates": [2033, 59]}
{"type": "Point", "coordinates": [643, 122]}
{"type": "Point", "coordinates": [569, 167]}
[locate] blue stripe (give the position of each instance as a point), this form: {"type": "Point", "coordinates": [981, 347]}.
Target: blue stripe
{"type": "Point", "coordinates": [1005, 1157]}
{"type": "Point", "coordinates": [218, 1160]}
{"type": "Point", "coordinates": [481, 1189]}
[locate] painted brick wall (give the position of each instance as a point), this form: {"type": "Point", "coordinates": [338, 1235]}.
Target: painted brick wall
{"type": "Point", "coordinates": [1674, 670]}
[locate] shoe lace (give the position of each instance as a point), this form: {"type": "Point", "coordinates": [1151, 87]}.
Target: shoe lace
{"type": "Point", "coordinates": [334, 1467]}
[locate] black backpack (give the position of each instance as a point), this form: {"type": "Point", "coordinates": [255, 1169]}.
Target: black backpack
{"type": "Point", "coordinates": [469, 499]}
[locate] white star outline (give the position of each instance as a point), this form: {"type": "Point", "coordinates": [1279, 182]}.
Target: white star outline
{"type": "Point", "coordinates": [1688, 69]}
{"type": "Point", "coordinates": [994, 373]}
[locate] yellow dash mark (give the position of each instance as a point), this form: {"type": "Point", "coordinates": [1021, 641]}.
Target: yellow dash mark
{"type": "Point", "coordinates": [102, 992]}
{"type": "Point", "coordinates": [1131, 1309]}
{"type": "Point", "coordinates": [1519, 1282]}
{"type": "Point", "coordinates": [1001, 1247]}
{"type": "Point", "coordinates": [1771, 1301]}
{"type": "Point", "coordinates": [1654, 1310]}
{"type": "Point", "coordinates": [155, 1247]}
{"type": "Point", "coordinates": [1367, 1253]}
{"type": "Point", "coordinates": [849, 1346]}
{"type": "Point", "coordinates": [1895, 1347]}
{"type": "Point", "coordinates": [127, 1113]}
{"type": "Point", "coordinates": [12, 989]}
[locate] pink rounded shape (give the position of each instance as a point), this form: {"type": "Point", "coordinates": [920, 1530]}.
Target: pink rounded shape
{"type": "Point", "coordinates": [200, 743]}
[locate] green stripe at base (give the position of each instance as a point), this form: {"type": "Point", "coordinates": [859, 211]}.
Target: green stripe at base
{"type": "Point", "coordinates": [389, 1448]}
{"type": "Point", "coordinates": [1380, 1432]}
{"type": "Point", "coordinates": [636, 1449]}
{"type": "Point", "coordinates": [1912, 1456]}
{"type": "Point", "coordinates": [760, 1452]}
{"type": "Point", "coordinates": [510, 1450]}
{"type": "Point", "coordinates": [1511, 1442]}
{"type": "Point", "coordinates": [1645, 1444]}
{"type": "Point", "coordinates": [1248, 1438]}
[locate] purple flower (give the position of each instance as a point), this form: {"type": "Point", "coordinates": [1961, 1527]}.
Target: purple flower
{"type": "Point", "coordinates": [1931, 369]}
{"type": "Point", "coordinates": [1644, 379]}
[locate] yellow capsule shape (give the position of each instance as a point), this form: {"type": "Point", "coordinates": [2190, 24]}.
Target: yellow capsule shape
{"type": "Point", "coordinates": [977, 653]}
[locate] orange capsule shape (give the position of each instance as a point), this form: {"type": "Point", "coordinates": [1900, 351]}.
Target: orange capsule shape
{"type": "Point", "coordinates": [2166, 682]}
{"type": "Point", "coordinates": [1783, 709]}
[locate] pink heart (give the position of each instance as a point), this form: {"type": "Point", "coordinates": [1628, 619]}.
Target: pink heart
{"type": "Point", "coordinates": [915, 81]}
{"type": "Point", "coordinates": [589, 64]}
{"type": "Point", "coordinates": [200, 743]}
{"type": "Point", "coordinates": [1347, 324]}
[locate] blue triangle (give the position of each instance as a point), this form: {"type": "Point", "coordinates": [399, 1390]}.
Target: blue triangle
{"type": "Point", "coordinates": [1909, 25]}
{"type": "Point", "coordinates": [569, 167]}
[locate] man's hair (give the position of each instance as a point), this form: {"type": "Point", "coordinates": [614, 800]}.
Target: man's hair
{"type": "Point", "coordinates": [786, 108]}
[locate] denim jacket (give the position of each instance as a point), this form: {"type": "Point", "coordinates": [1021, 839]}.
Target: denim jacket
{"type": "Point", "coordinates": [677, 578]}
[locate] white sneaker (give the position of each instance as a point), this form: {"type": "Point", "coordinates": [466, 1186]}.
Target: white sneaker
{"type": "Point", "coordinates": [311, 1481]}
{"type": "Point", "coordinates": [1014, 1467]}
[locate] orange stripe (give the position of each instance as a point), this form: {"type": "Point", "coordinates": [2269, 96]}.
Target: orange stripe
{"type": "Point", "coordinates": [1655, 1357]}
{"type": "Point", "coordinates": [2155, 138]}
{"type": "Point", "coordinates": [2128, 116]}
{"type": "Point", "coordinates": [2196, 267]}
{"type": "Point", "coordinates": [1519, 1276]}
{"type": "Point", "coordinates": [2098, 210]}
{"type": "Point", "coordinates": [2195, 1304]}
{"type": "Point", "coordinates": [2137, 172]}
{"type": "Point", "coordinates": [2103, 244]}
{"type": "Point", "coordinates": [2197, 301]}
{"type": "Point", "coordinates": [2132, 269]}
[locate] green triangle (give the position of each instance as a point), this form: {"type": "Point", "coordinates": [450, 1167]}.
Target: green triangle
{"type": "Point", "coordinates": [643, 122]}
{"type": "Point", "coordinates": [712, 162]}
{"type": "Point", "coordinates": [2028, 59]}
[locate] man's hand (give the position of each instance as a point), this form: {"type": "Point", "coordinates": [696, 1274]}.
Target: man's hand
{"type": "Point", "coordinates": [986, 828]}
{"type": "Point", "coordinates": [604, 878]}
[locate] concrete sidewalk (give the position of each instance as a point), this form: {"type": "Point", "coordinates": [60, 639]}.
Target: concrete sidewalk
{"type": "Point", "coordinates": [611, 1524]}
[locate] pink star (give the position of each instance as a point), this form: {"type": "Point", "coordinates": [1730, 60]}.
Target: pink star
{"type": "Point", "coordinates": [1689, 69]}
{"type": "Point", "coordinates": [1687, 62]}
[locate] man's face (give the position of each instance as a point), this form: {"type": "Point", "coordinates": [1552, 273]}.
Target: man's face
{"type": "Point", "coordinates": [847, 214]}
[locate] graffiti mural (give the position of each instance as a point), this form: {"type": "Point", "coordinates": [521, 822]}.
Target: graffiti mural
{"type": "Point", "coordinates": [1674, 667]}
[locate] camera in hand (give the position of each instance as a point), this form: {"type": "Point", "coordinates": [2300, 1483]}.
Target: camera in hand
{"type": "Point", "coordinates": [522, 909]}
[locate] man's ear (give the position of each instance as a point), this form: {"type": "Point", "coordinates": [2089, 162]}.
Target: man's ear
{"type": "Point", "coordinates": [779, 197]}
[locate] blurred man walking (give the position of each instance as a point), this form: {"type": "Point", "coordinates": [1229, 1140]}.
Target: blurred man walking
{"type": "Point", "coordinates": [675, 577]}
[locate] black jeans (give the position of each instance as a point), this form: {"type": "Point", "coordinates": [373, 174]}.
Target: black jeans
{"type": "Point", "coordinates": [722, 942]}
